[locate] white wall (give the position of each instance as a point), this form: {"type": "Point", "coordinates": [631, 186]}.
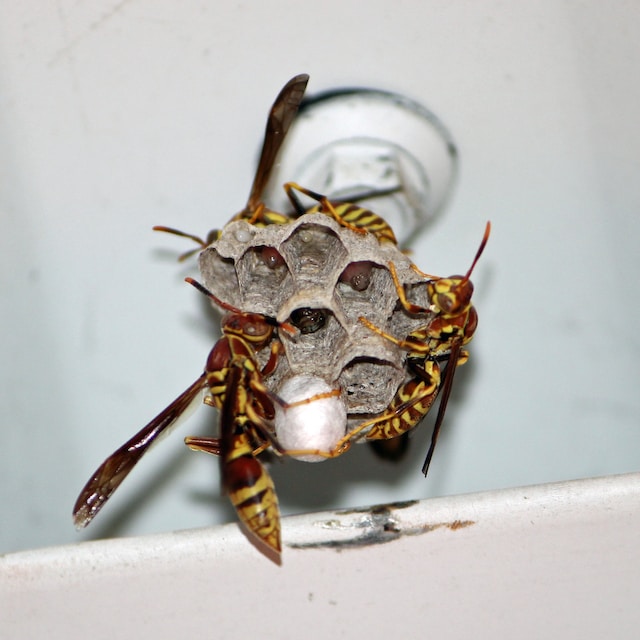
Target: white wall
{"type": "Point", "coordinates": [115, 116]}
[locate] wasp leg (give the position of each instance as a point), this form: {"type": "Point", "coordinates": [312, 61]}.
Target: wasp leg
{"type": "Point", "coordinates": [212, 445]}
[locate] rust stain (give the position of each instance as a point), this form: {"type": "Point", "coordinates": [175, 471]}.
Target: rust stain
{"type": "Point", "coordinates": [460, 524]}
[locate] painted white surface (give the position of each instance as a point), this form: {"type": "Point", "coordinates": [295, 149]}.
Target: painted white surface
{"type": "Point", "coordinates": [554, 561]}
{"type": "Point", "coordinates": [115, 116]}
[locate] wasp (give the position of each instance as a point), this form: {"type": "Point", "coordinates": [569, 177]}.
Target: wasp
{"type": "Point", "coordinates": [434, 351]}
{"type": "Point", "coordinates": [231, 382]}
{"type": "Point", "coordinates": [439, 342]}
{"type": "Point", "coordinates": [281, 116]}
{"type": "Point", "coordinates": [352, 216]}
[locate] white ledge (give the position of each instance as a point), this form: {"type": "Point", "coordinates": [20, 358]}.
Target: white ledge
{"type": "Point", "coordinates": [555, 560]}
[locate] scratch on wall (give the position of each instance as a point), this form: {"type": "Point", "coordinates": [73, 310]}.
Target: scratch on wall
{"type": "Point", "coordinates": [378, 525]}
{"type": "Point", "coordinates": [92, 27]}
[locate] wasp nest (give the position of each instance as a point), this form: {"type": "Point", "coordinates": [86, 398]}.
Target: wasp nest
{"type": "Point", "coordinates": [321, 277]}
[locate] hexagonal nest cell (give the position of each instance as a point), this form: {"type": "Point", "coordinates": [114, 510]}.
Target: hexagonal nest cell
{"type": "Point", "coordinates": [321, 277]}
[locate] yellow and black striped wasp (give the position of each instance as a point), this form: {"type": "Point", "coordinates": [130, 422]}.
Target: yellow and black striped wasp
{"type": "Point", "coordinates": [231, 382]}
{"type": "Point", "coordinates": [281, 116]}
{"type": "Point", "coordinates": [352, 216]}
{"type": "Point", "coordinates": [437, 344]}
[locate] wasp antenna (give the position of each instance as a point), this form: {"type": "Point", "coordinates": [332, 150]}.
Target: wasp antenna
{"type": "Point", "coordinates": [202, 289]}
{"type": "Point", "coordinates": [288, 328]}
{"type": "Point", "coordinates": [182, 234]}
{"type": "Point", "coordinates": [483, 244]}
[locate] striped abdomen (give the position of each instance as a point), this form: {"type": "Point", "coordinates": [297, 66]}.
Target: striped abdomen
{"type": "Point", "coordinates": [251, 491]}
{"type": "Point", "coordinates": [410, 404]}
{"type": "Point", "coordinates": [352, 215]}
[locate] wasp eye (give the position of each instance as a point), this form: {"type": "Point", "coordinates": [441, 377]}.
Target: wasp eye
{"type": "Point", "coordinates": [446, 302]}
{"type": "Point", "coordinates": [308, 320]}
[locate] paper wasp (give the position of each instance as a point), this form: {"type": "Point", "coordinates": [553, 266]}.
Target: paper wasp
{"type": "Point", "coordinates": [431, 347]}
{"type": "Point", "coordinates": [231, 382]}
{"type": "Point", "coordinates": [439, 342]}
{"type": "Point", "coordinates": [281, 116]}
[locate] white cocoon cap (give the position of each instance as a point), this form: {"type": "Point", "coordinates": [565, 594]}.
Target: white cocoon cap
{"type": "Point", "coordinates": [318, 424]}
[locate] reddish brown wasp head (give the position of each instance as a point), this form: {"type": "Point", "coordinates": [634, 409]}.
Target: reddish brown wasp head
{"type": "Point", "coordinates": [253, 327]}
{"type": "Point", "coordinates": [452, 296]}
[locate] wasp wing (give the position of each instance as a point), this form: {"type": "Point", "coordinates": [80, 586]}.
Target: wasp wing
{"type": "Point", "coordinates": [281, 116]}
{"type": "Point", "coordinates": [445, 392]}
{"type": "Point", "coordinates": [117, 466]}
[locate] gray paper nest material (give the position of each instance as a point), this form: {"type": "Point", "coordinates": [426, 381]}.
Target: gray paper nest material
{"type": "Point", "coordinates": [316, 250]}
